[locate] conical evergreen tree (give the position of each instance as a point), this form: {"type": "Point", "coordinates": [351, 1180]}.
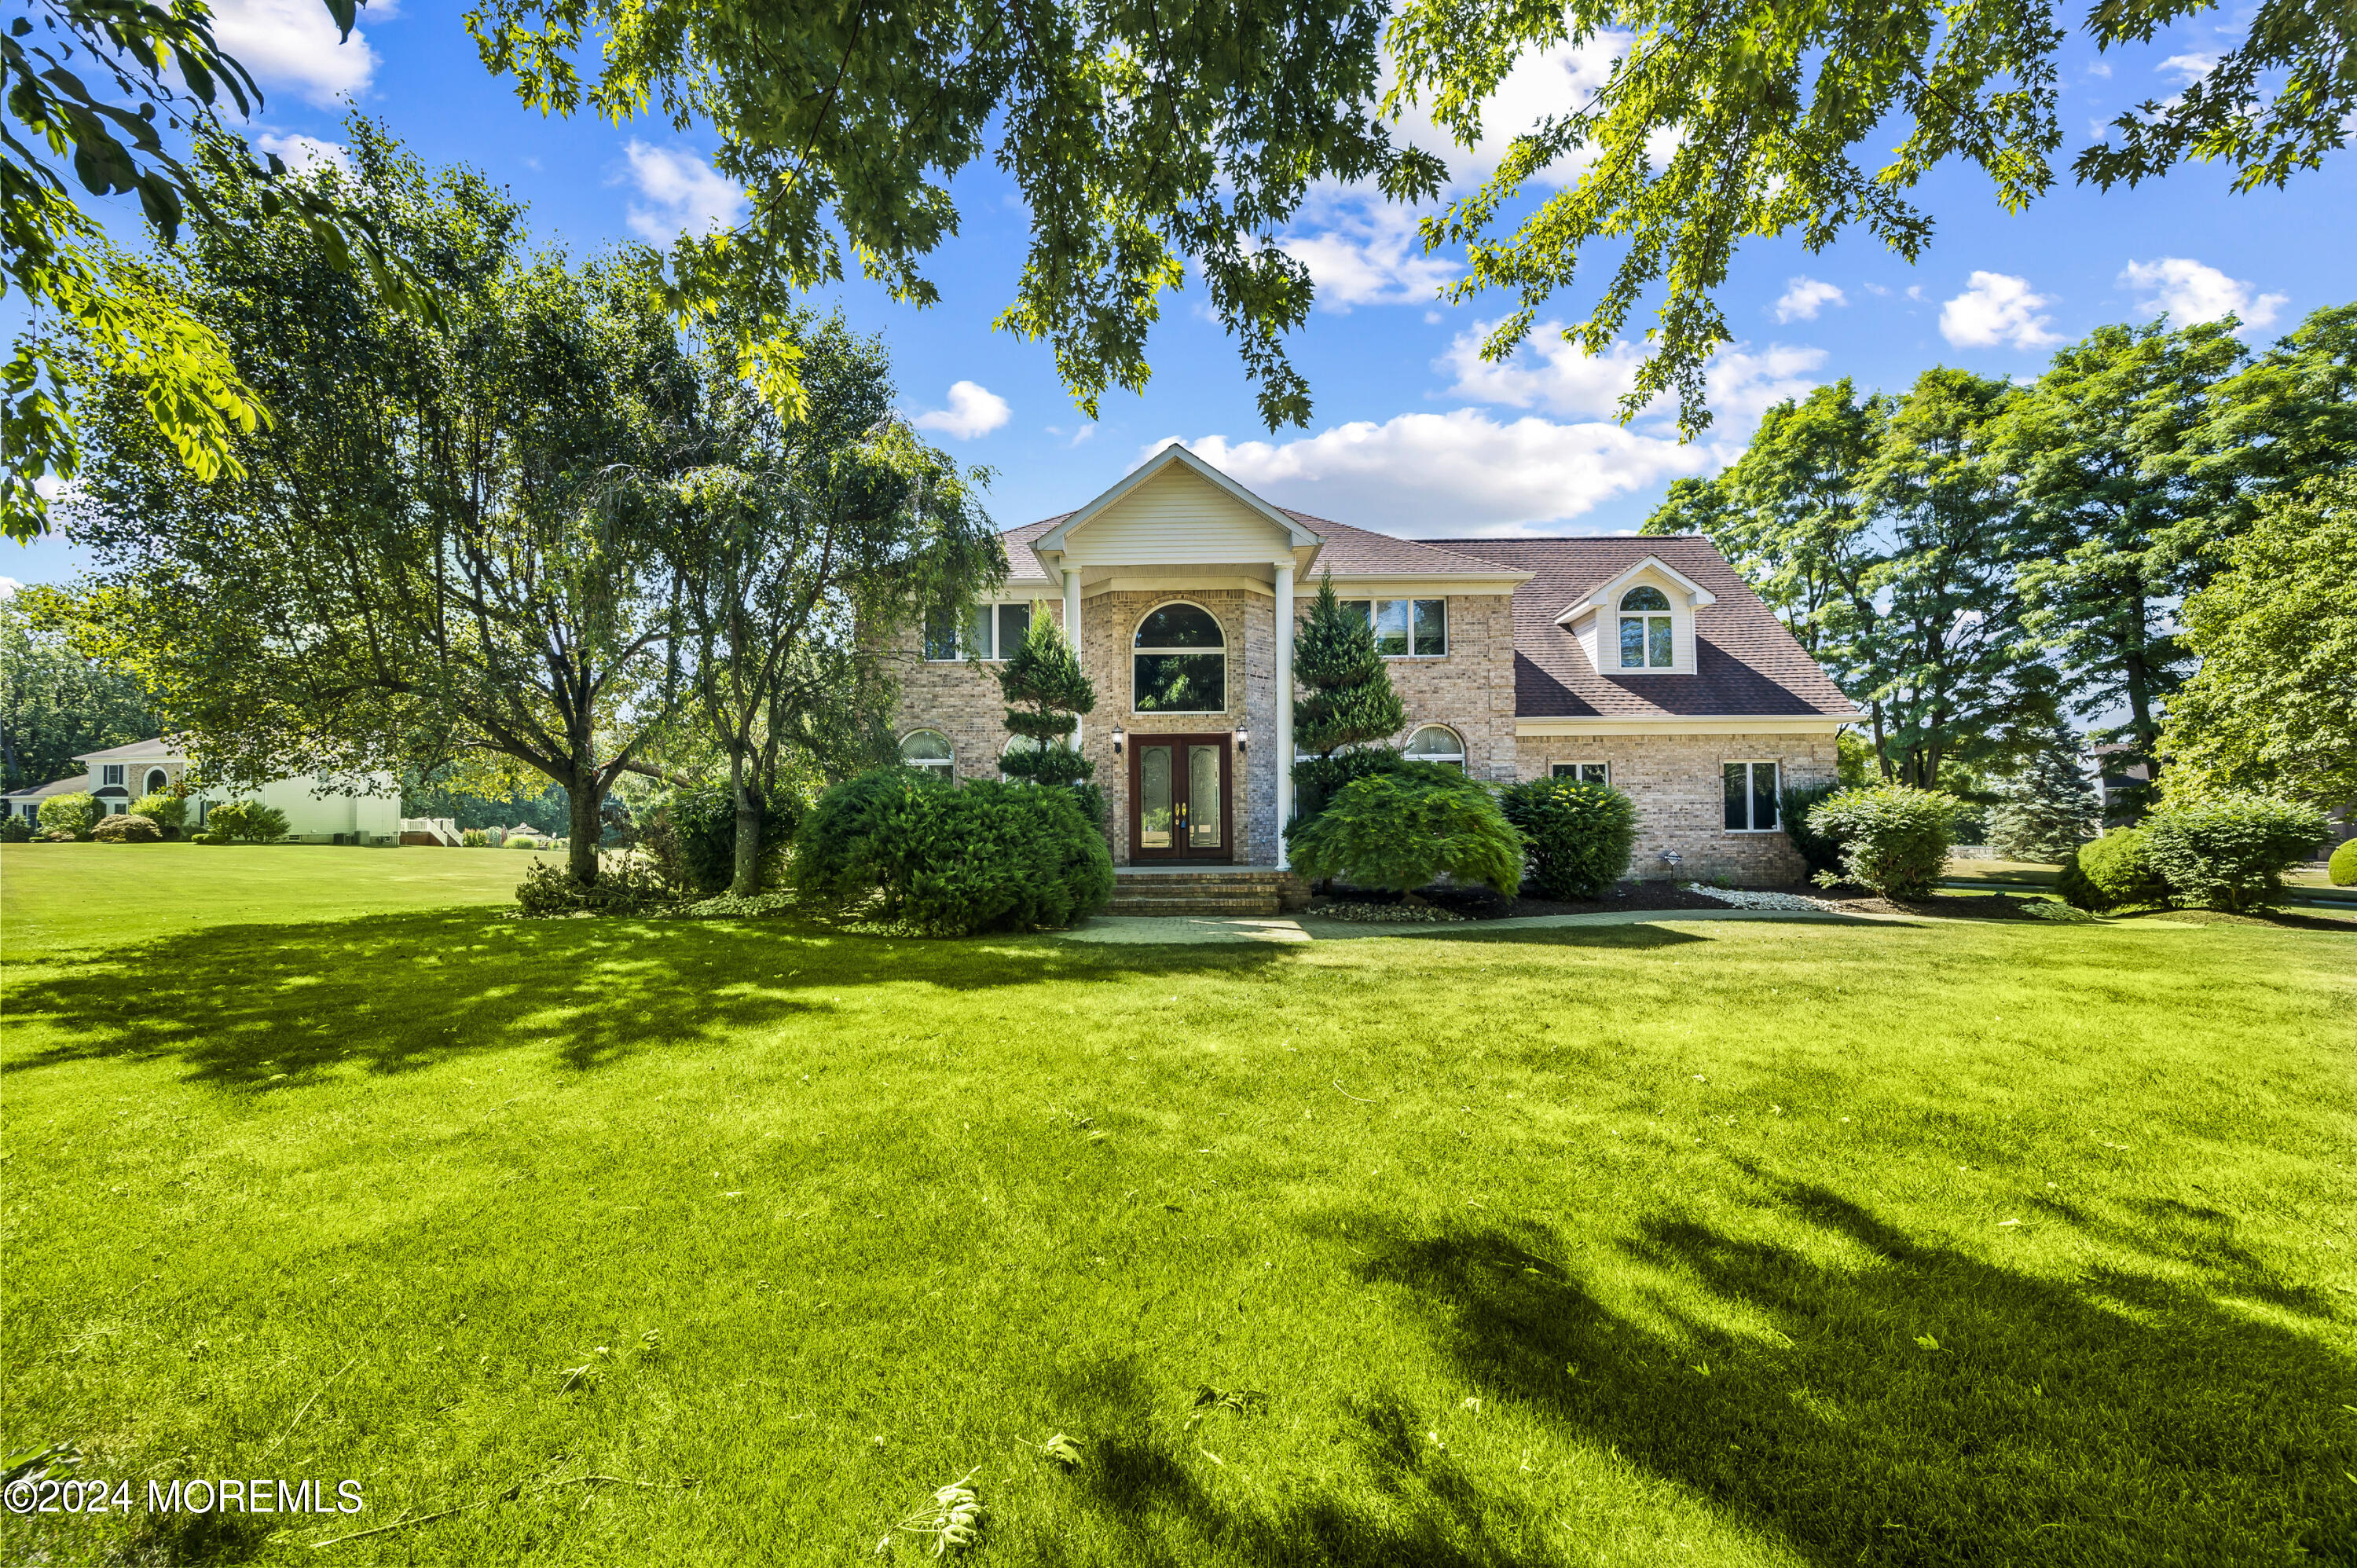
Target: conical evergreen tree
{"type": "Point", "coordinates": [1343, 694]}
{"type": "Point", "coordinates": [2049, 808]}
{"type": "Point", "coordinates": [1044, 676]}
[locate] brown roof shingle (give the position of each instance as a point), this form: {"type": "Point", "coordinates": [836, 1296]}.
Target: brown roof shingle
{"type": "Point", "coordinates": [1747, 663]}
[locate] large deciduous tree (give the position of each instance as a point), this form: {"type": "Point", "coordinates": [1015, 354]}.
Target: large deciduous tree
{"type": "Point", "coordinates": [427, 555]}
{"type": "Point", "coordinates": [56, 703]}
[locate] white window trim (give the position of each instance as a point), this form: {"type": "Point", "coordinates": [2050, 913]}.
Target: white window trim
{"type": "Point", "coordinates": [1667, 615]}
{"type": "Point", "coordinates": [1726, 762]}
{"type": "Point", "coordinates": [1603, 762]}
{"type": "Point", "coordinates": [1463, 756]}
{"type": "Point", "coordinates": [948, 766]}
{"type": "Point", "coordinates": [1134, 650]}
{"type": "Point", "coordinates": [1447, 641]}
{"type": "Point", "coordinates": [996, 654]}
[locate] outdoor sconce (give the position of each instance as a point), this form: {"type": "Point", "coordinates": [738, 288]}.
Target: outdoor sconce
{"type": "Point", "coordinates": [1117, 738]}
{"type": "Point", "coordinates": [1243, 738]}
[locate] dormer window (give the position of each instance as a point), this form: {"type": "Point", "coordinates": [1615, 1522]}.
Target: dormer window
{"type": "Point", "coordinates": [1645, 641]}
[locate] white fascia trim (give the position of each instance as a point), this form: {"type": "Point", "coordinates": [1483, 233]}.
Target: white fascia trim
{"type": "Point", "coordinates": [1713, 724]}
{"type": "Point", "coordinates": [1296, 537]}
{"type": "Point", "coordinates": [1176, 583]}
{"type": "Point", "coordinates": [1352, 585]}
{"type": "Point", "coordinates": [1698, 596]}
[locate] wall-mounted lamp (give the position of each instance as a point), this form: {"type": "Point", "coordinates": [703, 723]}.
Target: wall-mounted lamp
{"type": "Point", "coordinates": [1117, 738]}
{"type": "Point", "coordinates": [1243, 738]}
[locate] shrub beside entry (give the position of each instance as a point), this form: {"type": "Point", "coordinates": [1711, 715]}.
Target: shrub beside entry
{"type": "Point", "coordinates": [2115, 872]}
{"type": "Point", "coordinates": [1578, 836]}
{"type": "Point", "coordinates": [1894, 838]}
{"type": "Point", "coordinates": [946, 860]}
{"type": "Point", "coordinates": [2230, 851]}
{"type": "Point", "coordinates": [1395, 830]}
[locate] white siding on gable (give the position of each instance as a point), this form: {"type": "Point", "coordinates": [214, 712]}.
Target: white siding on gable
{"type": "Point", "coordinates": [1176, 518]}
{"type": "Point", "coordinates": [1599, 631]}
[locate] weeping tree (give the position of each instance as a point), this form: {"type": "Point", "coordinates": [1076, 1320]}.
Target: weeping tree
{"type": "Point", "coordinates": [1047, 694]}
{"type": "Point", "coordinates": [796, 545]}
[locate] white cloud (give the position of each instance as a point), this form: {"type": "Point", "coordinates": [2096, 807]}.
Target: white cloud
{"type": "Point", "coordinates": [2188, 69]}
{"type": "Point", "coordinates": [974, 409]}
{"type": "Point", "coordinates": [1550, 371]}
{"type": "Point", "coordinates": [1553, 82]}
{"type": "Point", "coordinates": [303, 154]}
{"type": "Point", "coordinates": [294, 42]}
{"type": "Point", "coordinates": [8, 586]}
{"type": "Point", "coordinates": [2191, 292]}
{"type": "Point", "coordinates": [1805, 296]}
{"type": "Point", "coordinates": [2101, 71]}
{"type": "Point", "coordinates": [1995, 310]}
{"type": "Point", "coordinates": [682, 193]}
{"type": "Point", "coordinates": [1364, 251]}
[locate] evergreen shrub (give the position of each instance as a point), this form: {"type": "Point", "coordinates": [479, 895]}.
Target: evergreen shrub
{"type": "Point", "coordinates": [1579, 835]}
{"type": "Point", "coordinates": [1318, 780]}
{"type": "Point", "coordinates": [2341, 869]}
{"type": "Point", "coordinates": [15, 829]}
{"type": "Point", "coordinates": [1402, 831]}
{"type": "Point", "coordinates": [74, 813]}
{"type": "Point", "coordinates": [626, 885]}
{"type": "Point", "coordinates": [128, 828]}
{"type": "Point", "coordinates": [246, 822]}
{"type": "Point", "coordinates": [2115, 872]}
{"type": "Point", "coordinates": [2230, 851]}
{"type": "Point", "coordinates": [2049, 809]}
{"type": "Point", "coordinates": [1894, 838]}
{"type": "Point", "coordinates": [948, 860]}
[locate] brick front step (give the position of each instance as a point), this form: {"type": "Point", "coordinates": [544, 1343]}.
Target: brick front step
{"type": "Point", "coordinates": [1199, 905]}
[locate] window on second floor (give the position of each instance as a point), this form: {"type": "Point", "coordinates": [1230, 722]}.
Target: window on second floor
{"type": "Point", "coordinates": [1645, 640]}
{"type": "Point", "coordinates": [984, 631]}
{"type": "Point", "coordinates": [1405, 628]}
{"type": "Point", "coordinates": [113, 773]}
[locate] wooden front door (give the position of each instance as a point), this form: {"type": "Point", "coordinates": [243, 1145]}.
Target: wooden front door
{"type": "Point", "coordinates": [1180, 805]}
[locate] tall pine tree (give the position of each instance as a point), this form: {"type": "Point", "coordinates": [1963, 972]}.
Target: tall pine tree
{"type": "Point", "coordinates": [2050, 808]}
{"type": "Point", "coordinates": [1343, 694]}
{"type": "Point", "coordinates": [1048, 693]}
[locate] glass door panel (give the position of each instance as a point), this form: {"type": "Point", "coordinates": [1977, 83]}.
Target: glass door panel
{"type": "Point", "coordinates": [1205, 831]}
{"type": "Point", "coordinates": [1154, 813]}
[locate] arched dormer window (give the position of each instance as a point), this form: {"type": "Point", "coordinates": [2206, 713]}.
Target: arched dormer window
{"type": "Point", "coordinates": [931, 750]}
{"type": "Point", "coordinates": [1180, 661]}
{"type": "Point", "coordinates": [1645, 639]}
{"type": "Point", "coordinates": [1437, 743]}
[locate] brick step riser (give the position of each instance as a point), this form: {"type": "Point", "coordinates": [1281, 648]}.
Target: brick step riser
{"type": "Point", "coordinates": [1197, 879]}
{"type": "Point", "coordinates": [1195, 906]}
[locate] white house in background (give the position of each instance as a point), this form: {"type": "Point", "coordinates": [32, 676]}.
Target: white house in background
{"type": "Point", "coordinates": [121, 774]}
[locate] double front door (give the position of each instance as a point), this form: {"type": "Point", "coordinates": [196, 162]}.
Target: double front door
{"type": "Point", "coordinates": [1179, 798]}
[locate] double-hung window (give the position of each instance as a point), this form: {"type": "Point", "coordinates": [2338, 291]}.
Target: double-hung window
{"type": "Point", "coordinates": [1405, 628]}
{"type": "Point", "coordinates": [1584, 772]}
{"type": "Point", "coordinates": [114, 773]}
{"type": "Point", "coordinates": [985, 631]}
{"type": "Point", "coordinates": [1751, 794]}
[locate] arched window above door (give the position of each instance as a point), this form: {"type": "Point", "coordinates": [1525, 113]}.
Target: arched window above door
{"type": "Point", "coordinates": [1180, 662]}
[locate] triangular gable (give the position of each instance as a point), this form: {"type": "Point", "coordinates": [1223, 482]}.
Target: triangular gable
{"type": "Point", "coordinates": [1608, 593]}
{"type": "Point", "coordinates": [1296, 535]}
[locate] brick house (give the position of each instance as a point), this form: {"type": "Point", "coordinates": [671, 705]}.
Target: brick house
{"type": "Point", "coordinates": [1643, 661]}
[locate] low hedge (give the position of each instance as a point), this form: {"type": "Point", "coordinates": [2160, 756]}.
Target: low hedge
{"type": "Point", "coordinates": [1402, 832]}
{"type": "Point", "coordinates": [947, 860]}
{"type": "Point", "coordinates": [1579, 835]}
{"type": "Point", "coordinates": [76, 815]}
{"type": "Point", "coordinates": [1894, 838]}
{"type": "Point", "coordinates": [2341, 869]}
{"type": "Point", "coordinates": [2230, 851]}
{"type": "Point", "coordinates": [2115, 872]}
{"type": "Point", "coordinates": [246, 822]}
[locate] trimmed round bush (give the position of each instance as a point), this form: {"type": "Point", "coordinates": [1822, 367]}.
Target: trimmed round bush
{"type": "Point", "coordinates": [2341, 869]}
{"type": "Point", "coordinates": [73, 814]}
{"type": "Point", "coordinates": [2115, 872]}
{"type": "Point", "coordinates": [1894, 838]}
{"type": "Point", "coordinates": [1402, 831]}
{"type": "Point", "coordinates": [1579, 835]}
{"type": "Point", "coordinates": [2230, 851]}
{"type": "Point", "coordinates": [129, 828]}
{"type": "Point", "coordinates": [947, 860]}
{"type": "Point", "coordinates": [165, 810]}
{"type": "Point", "coordinates": [246, 822]}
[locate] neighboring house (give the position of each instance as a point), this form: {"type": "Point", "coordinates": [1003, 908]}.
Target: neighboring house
{"type": "Point", "coordinates": [2123, 782]}
{"type": "Point", "coordinates": [121, 775]}
{"type": "Point", "coordinates": [1645, 662]}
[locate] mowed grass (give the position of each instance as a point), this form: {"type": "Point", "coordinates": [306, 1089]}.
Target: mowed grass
{"type": "Point", "coordinates": [1707, 1242]}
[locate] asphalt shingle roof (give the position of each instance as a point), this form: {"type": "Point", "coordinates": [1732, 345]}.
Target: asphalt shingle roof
{"type": "Point", "coordinates": [1747, 663]}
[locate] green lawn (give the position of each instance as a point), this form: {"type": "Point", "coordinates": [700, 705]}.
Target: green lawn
{"type": "Point", "coordinates": [1708, 1243]}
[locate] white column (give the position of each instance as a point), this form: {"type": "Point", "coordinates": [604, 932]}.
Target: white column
{"type": "Point", "coordinates": [1283, 707]}
{"type": "Point", "coordinates": [1073, 612]}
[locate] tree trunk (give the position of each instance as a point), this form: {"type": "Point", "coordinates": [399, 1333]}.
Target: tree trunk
{"type": "Point", "coordinates": [586, 804]}
{"type": "Point", "coordinates": [745, 880]}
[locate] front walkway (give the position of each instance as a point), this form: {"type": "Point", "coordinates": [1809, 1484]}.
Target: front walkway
{"type": "Point", "coordinates": [1186, 928]}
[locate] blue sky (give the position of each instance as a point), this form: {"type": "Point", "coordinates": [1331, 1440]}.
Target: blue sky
{"type": "Point", "coordinates": [1412, 434]}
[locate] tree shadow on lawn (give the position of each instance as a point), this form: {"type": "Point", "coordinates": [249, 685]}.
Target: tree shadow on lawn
{"type": "Point", "coordinates": [2119, 1418]}
{"type": "Point", "coordinates": [261, 1006]}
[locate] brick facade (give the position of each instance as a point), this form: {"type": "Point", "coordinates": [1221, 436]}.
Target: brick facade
{"type": "Point", "coordinates": [1675, 781]}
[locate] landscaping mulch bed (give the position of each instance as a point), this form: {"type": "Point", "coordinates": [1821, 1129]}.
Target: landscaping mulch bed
{"type": "Point", "coordinates": [1958, 907]}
